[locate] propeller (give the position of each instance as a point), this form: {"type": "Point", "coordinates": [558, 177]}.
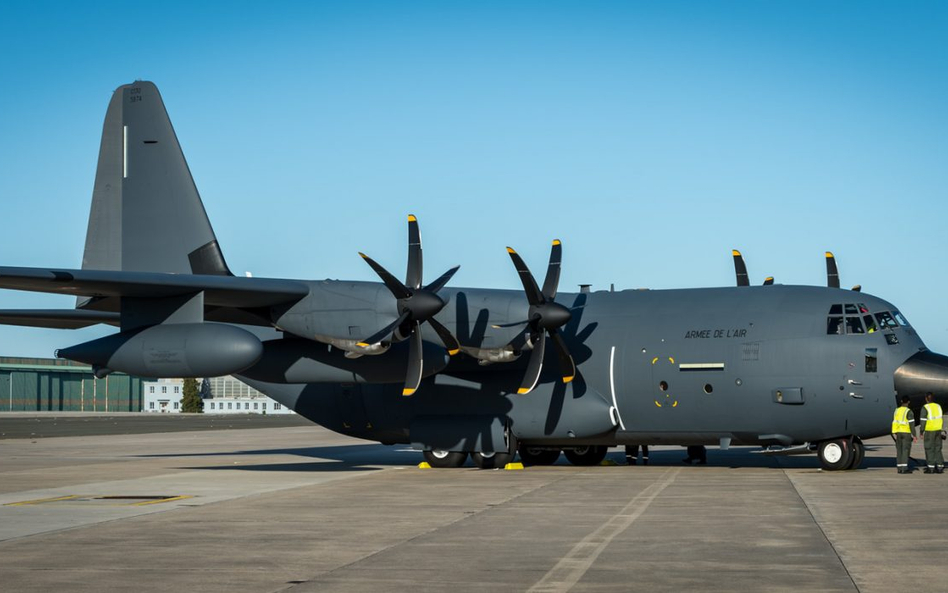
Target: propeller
{"type": "Point", "coordinates": [416, 304]}
{"type": "Point", "coordinates": [832, 274]}
{"type": "Point", "coordinates": [740, 269]}
{"type": "Point", "coordinates": [545, 315]}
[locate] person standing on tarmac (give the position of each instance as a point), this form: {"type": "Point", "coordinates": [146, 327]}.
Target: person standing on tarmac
{"type": "Point", "coordinates": [932, 426]}
{"type": "Point", "coordinates": [632, 454]}
{"type": "Point", "coordinates": [903, 431]}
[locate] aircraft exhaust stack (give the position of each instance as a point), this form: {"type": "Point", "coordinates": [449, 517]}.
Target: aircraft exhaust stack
{"type": "Point", "coordinates": [185, 350]}
{"type": "Point", "coordinates": [925, 371]}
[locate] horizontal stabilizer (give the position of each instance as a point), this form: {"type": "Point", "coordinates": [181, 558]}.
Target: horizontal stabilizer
{"type": "Point", "coordinates": [57, 318]}
{"type": "Point", "coordinates": [220, 291]}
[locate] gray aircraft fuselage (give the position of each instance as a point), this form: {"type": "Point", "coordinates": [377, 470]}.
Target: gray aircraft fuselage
{"type": "Point", "coordinates": [751, 364]}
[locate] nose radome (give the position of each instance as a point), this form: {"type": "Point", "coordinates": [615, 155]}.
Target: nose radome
{"type": "Point", "coordinates": [924, 372]}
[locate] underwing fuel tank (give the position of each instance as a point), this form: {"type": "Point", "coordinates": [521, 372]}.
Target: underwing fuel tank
{"type": "Point", "coordinates": [182, 350]}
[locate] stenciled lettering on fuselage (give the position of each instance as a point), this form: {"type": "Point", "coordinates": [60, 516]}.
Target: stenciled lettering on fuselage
{"type": "Point", "coordinates": [715, 333]}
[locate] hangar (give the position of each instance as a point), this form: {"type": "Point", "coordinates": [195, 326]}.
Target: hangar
{"type": "Point", "coordinates": [56, 385]}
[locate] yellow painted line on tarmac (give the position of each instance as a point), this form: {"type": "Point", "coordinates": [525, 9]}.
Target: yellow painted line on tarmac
{"type": "Point", "coordinates": [173, 498]}
{"type": "Point", "coordinates": [41, 500]}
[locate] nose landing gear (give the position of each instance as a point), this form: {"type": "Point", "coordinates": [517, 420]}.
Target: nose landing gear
{"type": "Point", "coordinates": [841, 453]}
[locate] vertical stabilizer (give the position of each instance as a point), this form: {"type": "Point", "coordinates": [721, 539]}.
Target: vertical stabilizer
{"type": "Point", "coordinates": [147, 215]}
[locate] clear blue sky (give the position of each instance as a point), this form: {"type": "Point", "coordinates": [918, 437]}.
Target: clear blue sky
{"type": "Point", "coordinates": [651, 137]}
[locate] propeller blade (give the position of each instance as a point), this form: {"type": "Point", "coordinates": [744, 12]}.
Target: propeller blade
{"type": "Point", "coordinates": [398, 290]}
{"type": "Point", "coordinates": [514, 324]}
{"type": "Point", "coordinates": [416, 362]}
{"type": "Point", "coordinates": [534, 366]}
{"type": "Point", "coordinates": [385, 331]}
{"type": "Point", "coordinates": [740, 269]}
{"type": "Point", "coordinates": [415, 263]}
{"type": "Point", "coordinates": [552, 279]}
{"type": "Point", "coordinates": [768, 281]}
{"type": "Point", "coordinates": [857, 288]}
{"type": "Point", "coordinates": [534, 297]}
{"type": "Point", "coordinates": [567, 366]}
{"type": "Point", "coordinates": [442, 280]}
{"type": "Point", "coordinates": [832, 274]}
{"type": "Point", "coordinates": [449, 341]}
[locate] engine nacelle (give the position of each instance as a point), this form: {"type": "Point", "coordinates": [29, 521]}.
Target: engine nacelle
{"type": "Point", "coordinates": [182, 350]}
{"type": "Point", "coordinates": [292, 360]}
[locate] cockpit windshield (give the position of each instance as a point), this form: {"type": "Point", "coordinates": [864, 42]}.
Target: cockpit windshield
{"type": "Point", "coordinates": [856, 318]}
{"type": "Point", "coordinates": [901, 319]}
{"type": "Point", "coordinates": [886, 321]}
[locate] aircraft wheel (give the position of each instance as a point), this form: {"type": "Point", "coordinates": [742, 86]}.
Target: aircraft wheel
{"type": "Point", "coordinates": [491, 460]}
{"type": "Point", "coordinates": [590, 455]}
{"type": "Point", "coordinates": [836, 454]}
{"type": "Point", "coordinates": [859, 453]}
{"type": "Point", "coordinates": [538, 455]}
{"type": "Point", "coordinates": [439, 458]}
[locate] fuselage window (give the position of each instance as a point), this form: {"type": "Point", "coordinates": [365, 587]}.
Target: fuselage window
{"type": "Point", "coordinates": [836, 310]}
{"type": "Point", "coordinates": [854, 325]}
{"type": "Point", "coordinates": [834, 326]}
{"type": "Point", "coordinates": [872, 360]}
{"type": "Point", "coordinates": [886, 321]}
{"type": "Point", "coordinates": [900, 318]}
{"type": "Point", "coordinates": [851, 309]}
{"type": "Point", "coordinates": [870, 324]}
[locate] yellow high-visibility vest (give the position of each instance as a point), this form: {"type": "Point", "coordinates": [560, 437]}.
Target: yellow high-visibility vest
{"type": "Point", "coordinates": [934, 421]}
{"type": "Point", "coordinates": [900, 421]}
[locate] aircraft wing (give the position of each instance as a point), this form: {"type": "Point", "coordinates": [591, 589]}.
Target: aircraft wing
{"type": "Point", "coordinates": [219, 291]}
{"type": "Point", "coordinates": [57, 318]}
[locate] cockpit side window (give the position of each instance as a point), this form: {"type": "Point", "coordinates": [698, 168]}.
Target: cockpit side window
{"type": "Point", "coordinates": [854, 326]}
{"type": "Point", "coordinates": [851, 309]}
{"type": "Point", "coordinates": [836, 310]}
{"type": "Point", "coordinates": [886, 321]}
{"type": "Point", "coordinates": [834, 326]}
{"type": "Point", "coordinates": [871, 326]}
{"type": "Point", "coordinates": [900, 318]}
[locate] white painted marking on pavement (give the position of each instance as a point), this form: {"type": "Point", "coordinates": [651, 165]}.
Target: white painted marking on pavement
{"type": "Point", "coordinates": [577, 561]}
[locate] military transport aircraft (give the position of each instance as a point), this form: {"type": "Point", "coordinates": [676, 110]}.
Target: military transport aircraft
{"type": "Point", "coordinates": [467, 371]}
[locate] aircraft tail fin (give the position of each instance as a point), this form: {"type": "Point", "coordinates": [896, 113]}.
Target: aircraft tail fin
{"type": "Point", "coordinates": [147, 215]}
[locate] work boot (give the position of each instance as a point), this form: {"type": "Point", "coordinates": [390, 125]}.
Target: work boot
{"type": "Point", "coordinates": [928, 470]}
{"type": "Point", "coordinates": [939, 470]}
{"type": "Point", "coordinates": [631, 461]}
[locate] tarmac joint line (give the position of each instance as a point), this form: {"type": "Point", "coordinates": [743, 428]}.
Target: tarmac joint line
{"type": "Point", "coordinates": [567, 572]}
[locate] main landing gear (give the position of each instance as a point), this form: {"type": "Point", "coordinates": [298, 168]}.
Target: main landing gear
{"type": "Point", "coordinates": [842, 453]}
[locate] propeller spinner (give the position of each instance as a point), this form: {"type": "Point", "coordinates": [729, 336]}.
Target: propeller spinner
{"type": "Point", "coordinates": [545, 315]}
{"type": "Point", "coordinates": [416, 304]}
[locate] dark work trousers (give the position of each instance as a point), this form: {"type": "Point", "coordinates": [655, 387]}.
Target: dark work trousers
{"type": "Point", "coordinates": [903, 449]}
{"type": "Point", "coordinates": [933, 454]}
{"type": "Point", "coordinates": [632, 454]}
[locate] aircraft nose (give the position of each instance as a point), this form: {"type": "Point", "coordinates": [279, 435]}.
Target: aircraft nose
{"type": "Point", "coordinates": [925, 371]}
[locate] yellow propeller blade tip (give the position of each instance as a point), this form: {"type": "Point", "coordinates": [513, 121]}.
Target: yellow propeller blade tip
{"type": "Point", "coordinates": [363, 256]}
{"type": "Point", "coordinates": [556, 241]}
{"type": "Point", "coordinates": [407, 391]}
{"type": "Point", "coordinates": [522, 391]}
{"type": "Point", "coordinates": [829, 254]}
{"type": "Point", "coordinates": [510, 250]}
{"type": "Point", "coordinates": [735, 253]}
{"type": "Point", "coordinates": [769, 279]}
{"type": "Point", "coordinates": [453, 352]}
{"type": "Point", "coordinates": [411, 218]}
{"type": "Point", "coordinates": [567, 379]}
{"type": "Point", "coordinates": [362, 344]}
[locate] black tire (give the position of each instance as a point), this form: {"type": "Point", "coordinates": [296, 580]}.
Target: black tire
{"type": "Point", "coordinates": [491, 460]}
{"type": "Point", "coordinates": [586, 456]}
{"type": "Point", "coordinates": [859, 453]}
{"type": "Point", "coordinates": [836, 454]}
{"type": "Point", "coordinates": [443, 459]}
{"type": "Point", "coordinates": [537, 456]}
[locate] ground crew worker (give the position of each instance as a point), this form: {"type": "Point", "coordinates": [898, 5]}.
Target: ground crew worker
{"type": "Point", "coordinates": [932, 426]}
{"type": "Point", "coordinates": [632, 454]}
{"type": "Point", "coordinates": [903, 431]}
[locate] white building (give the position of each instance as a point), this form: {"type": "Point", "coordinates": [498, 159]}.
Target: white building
{"type": "Point", "coordinates": [227, 396]}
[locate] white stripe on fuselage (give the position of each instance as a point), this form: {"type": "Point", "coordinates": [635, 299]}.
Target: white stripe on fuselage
{"type": "Point", "coordinates": [612, 384]}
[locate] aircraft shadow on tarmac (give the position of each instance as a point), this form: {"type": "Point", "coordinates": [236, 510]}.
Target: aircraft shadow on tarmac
{"type": "Point", "coordinates": [364, 457]}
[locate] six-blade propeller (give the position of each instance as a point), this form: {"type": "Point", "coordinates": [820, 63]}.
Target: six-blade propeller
{"type": "Point", "coordinates": [416, 304]}
{"type": "Point", "coordinates": [544, 315]}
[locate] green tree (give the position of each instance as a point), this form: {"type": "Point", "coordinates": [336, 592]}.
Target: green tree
{"type": "Point", "coordinates": [191, 402]}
